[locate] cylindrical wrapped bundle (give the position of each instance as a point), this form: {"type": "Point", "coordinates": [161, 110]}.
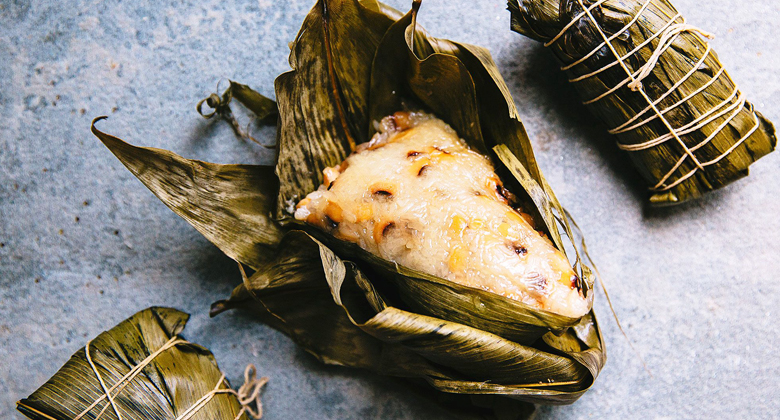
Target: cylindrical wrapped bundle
{"type": "Point", "coordinates": [657, 84]}
{"type": "Point", "coordinates": [424, 245]}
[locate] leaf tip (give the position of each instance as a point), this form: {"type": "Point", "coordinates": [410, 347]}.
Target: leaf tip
{"type": "Point", "coordinates": [218, 307]}
{"type": "Point", "coordinates": [100, 118]}
{"type": "Point", "coordinates": [416, 7]}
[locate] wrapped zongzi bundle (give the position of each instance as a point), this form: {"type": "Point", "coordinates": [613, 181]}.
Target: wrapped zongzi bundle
{"type": "Point", "coordinates": [488, 296]}
{"type": "Point", "coordinates": [656, 82]}
{"type": "Point", "coordinates": [143, 369]}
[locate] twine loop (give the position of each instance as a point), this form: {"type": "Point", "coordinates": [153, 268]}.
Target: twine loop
{"type": "Point", "coordinates": [249, 392]}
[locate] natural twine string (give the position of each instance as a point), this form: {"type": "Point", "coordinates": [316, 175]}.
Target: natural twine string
{"type": "Point", "coordinates": [247, 394]}
{"type": "Point", "coordinates": [667, 35]}
{"type": "Point", "coordinates": [611, 38]}
{"type": "Point", "coordinates": [666, 41]}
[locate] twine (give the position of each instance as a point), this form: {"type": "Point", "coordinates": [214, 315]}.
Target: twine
{"type": "Point", "coordinates": [666, 35]}
{"type": "Point", "coordinates": [666, 41]}
{"type": "Point", "coordinates": [247, 394]}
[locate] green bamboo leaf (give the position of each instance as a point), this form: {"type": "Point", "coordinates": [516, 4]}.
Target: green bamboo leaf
{"type": "Point", "coordinates": [294, 293]}
{"type": "Point", "coordinates": [441, 298]}
{"type": "Point", "coordinates": [497, 106]}
{"type": "Point", "coordinates": [229, 204]}
{"type": "Point", "coordinates": [169, 385]}
{"type": "Point", "coordinates": [437, 81]}
{"type": "Point", "coordinates": [474, 353]}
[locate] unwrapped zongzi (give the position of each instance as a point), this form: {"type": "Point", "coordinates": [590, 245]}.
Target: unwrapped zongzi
{"type": "Point", "coordinates": [354, 62]}
{"type": "Point", "coordinates": [417, 195]}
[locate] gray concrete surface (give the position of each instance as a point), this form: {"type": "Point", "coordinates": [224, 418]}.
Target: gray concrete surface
{"type": "Point", "coordinates": [85, 245]}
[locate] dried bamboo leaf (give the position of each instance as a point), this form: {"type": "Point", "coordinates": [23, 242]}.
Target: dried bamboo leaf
{"type": "Point", "coordinates": [440, 82]}
{"type": "Point", "coordinates": [263, 108]}
{"type": "Point", "coordinates": [166, 388]}
{"type": "Point", "coordinates": [322, 101]}
{"type": "Point", "coordinates": [229, 204]}
{"type": "Point", "coordinates": [441, 298]}
{"type": "Point", "coordinates": [292, 294]}
{"type": "Point", "coordinates": [686, 127]}
{"type": "Point", "coordinates": [475, 353]}
{"type": "Point", "coordinates": [370, 334]}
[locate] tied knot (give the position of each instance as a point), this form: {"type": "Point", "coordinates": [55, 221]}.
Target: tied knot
{"type": "Point", "coordinates": [249, 393]}
{"type": "Point", "coordinates": [667, 38]}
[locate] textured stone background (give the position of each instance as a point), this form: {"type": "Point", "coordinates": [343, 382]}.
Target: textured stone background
{"type": "Point", "coordinates": [84, 245]}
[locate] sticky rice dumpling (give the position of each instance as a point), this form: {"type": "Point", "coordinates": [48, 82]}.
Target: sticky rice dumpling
{"type": "Point", "coordinates": [418, 196]}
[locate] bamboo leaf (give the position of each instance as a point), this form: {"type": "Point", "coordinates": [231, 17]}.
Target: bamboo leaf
{"type": "Point", "coordinates": [299, 288]}
{"type": "Point", "coordinates": [497, 106]}
{"type": "Point", "coordinates": [294, 293]}
{"type": "Point", "coordinates": [441, 298]}
{"type": "Point", "coordinates": [322, 101]}
{"type": "Point", "coordinates": [472, 352]}
{"type": "Point", "coordinates": [167, 387]}
{"type": "Point", "coordinates": [263, 108]}
{"type": "Point", "coordinates": [229, 204]}
{"type": "Point", "coordinates": [437, 81]}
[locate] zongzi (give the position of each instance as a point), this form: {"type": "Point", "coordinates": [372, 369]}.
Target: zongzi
{"type": "Point", "coordinates": [417, 195]}
{"type": "Point", "coordinates": [657, 83]}
{"type": "Point", "coordinates": [355, 62]}
{"type": "Point", "coordinates": [143, 369]}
